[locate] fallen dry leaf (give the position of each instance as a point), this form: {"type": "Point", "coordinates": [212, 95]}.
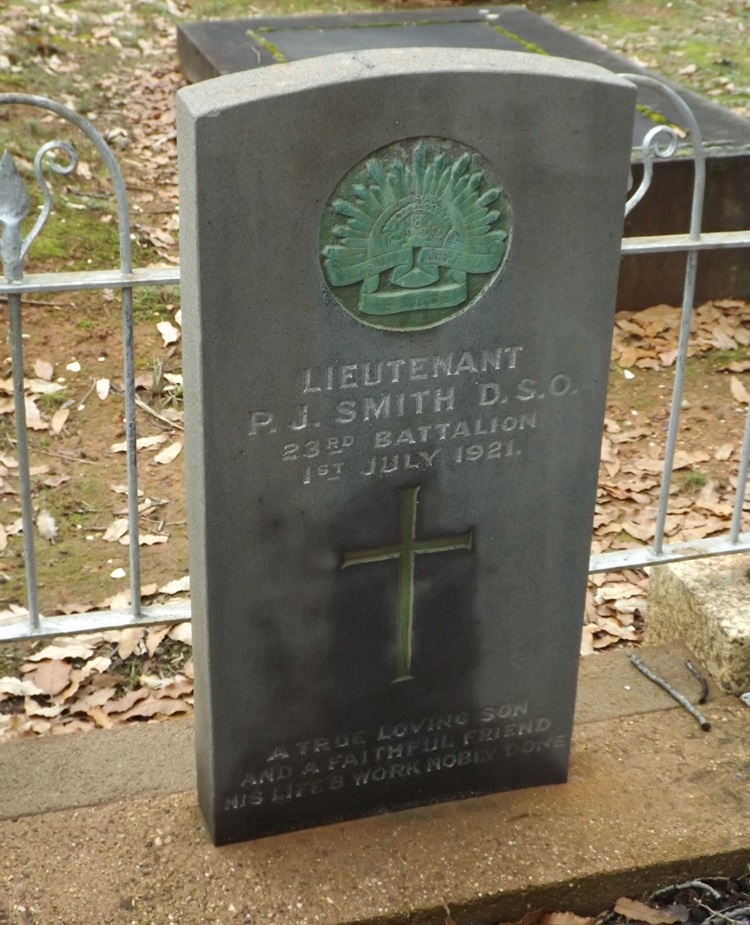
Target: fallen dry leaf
{"type": "Point", "coordinates": [164, 706]}
{"type": "Point", "coordinates": [566, 918]}
{"type": "Point", "coordinates": [738, 390]}
{"type": "Point", "coordinates": [120, 601]}
{"type": "Point", "coordinates": [46, 525]}
{"type": "Point", "coordinates": [18, 688]}
{"type": "Point", "coordinates": [587, 639]}
{"type": "Point", "coordinates": [52, 675]}
{"type": "Point", "coordinates": [124, 703]}
{"type": "Point", "coordinates": [96, 665]}
{"type": "Point", "coordinates": [145, 539]}
{"type": "Point", "coordinates": [640, 912]}
{"type": "Point", "coordinates": [182, 632]}
{"type": "Point", "coordinates": [95, 698]}
{"type": "Point", "coordinates": [612, 591]}
{"type": "Point", "coordinates": [75, 649]}
{"type": "Point", "coordinates": [56, 481]}
{"type": "Point", "coordinates": [33, 415]}
{"type": "Point", "coordinates": [100, 718]}
{"type": "Point", "coordinates": [723, 452]}
{"type": "Point", "coordinates": [129, 640]}
{"type": "Point", "coordinates": [170, 334]}
{"type": "Point", "coordinates": [124, 490]}
{"type": "Point", "coordinates": [168, 454]}
{"type": "Point", "coordinates": [43, 369]}
{"type": "Point", "coordinates": [176, 586]}
{"type": "Point", "coordinates": [58, 420]}
{"type": "Point", "coordinates": [154, 639]}
{"type": "Point", "coordinates": [117, 529]}
{"type": "Point", "coordinates": [74, 607]}
{"type": "Point", "coordinates": [142, 443]}
{"type": "Point", "coordinates": [33, 708]}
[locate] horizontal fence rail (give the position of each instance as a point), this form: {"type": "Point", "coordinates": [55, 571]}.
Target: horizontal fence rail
{"type": "Point", "coordinates": [661, 142]}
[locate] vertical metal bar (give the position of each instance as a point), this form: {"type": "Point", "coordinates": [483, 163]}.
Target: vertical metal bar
{"type": "Point", "coordinates": [688, 295]}
{"type": "Point", "coordinates": [691, 271]}
{"type": "Point", "coordinates": [739, 495]}
{"type": "Point", "coordinates": [128, 349]}
{"type": "Point", "coordinates": [22, 447]}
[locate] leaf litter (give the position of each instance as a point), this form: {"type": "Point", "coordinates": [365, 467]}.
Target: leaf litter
{"type": "Point", "coordinates": [100, 680]}
{"type": "Point", "coordinates": [708, 901]}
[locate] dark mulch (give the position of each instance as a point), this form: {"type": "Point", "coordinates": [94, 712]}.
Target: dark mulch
{"type": "Point", "coordinates": [711, 901]}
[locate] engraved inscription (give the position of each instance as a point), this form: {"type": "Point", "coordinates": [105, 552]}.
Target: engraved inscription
{"type": "Point", "coordinates": [371, 420]}
{"type": "Point", "coordinates": [409, 238]}
{"type": "Point", "coordinates": [416, 748]}
{"type": "Point", "coordinates": [404, 551]}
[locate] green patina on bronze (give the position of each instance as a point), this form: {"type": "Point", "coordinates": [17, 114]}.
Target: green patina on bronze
{"type": "Point", "coordinates": [408, 239]}
{"type": "Point", "coordinates": [405, 550]}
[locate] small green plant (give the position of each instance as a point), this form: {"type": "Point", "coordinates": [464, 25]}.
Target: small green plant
{"type": "Point", "coordinates": [153, 305]}
{"type": "Point", "coordinates": [51, 401]}
{"type": "Point", "coordinates": [693, 480]}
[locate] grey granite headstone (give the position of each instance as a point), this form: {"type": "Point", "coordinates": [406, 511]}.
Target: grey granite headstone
{"type": "Point", "coordinates": [399, 273]}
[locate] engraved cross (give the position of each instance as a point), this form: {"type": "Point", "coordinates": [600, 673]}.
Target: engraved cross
{"type": "Point", "coordinates": [405, 550]}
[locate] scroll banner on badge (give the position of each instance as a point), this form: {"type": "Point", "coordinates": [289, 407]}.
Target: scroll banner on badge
{"type": "Point", "coordinates": [480, 258]}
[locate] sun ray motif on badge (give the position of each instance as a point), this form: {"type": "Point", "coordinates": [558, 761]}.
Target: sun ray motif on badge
{"type": "Point", "coordinates": [414, 234]}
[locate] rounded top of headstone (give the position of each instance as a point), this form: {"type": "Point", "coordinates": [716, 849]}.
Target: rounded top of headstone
{"type": "Point", "coordinates": [209, 97]}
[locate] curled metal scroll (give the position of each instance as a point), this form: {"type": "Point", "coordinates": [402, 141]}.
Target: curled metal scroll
{"type": "Point", "coordinates": [661, 141]}
{"type": "Point", "coordinates": [102, 148]}
{"type": "Point", "coordinates": [40, 161]}
{"type": "Point", "coordinates": [14, 208]}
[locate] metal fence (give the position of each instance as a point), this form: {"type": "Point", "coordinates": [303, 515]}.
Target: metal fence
{"type": "Point", "coordinates": [661, 142]}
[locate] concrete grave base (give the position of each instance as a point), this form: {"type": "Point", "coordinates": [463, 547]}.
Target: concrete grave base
{"type": "Point", "coordinates": [651, 800]}
{"type": "Point", "coordinates": [706, 604]}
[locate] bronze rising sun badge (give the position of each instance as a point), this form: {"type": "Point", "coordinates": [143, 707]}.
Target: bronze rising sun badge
{"type": "Point", "coordinates": [414, 234]}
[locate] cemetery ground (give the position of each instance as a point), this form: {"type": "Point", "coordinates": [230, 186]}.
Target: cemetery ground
{"type": "Point", "coordinates": [118, 63]}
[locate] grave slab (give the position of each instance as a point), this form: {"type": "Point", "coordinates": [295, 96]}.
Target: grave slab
{"type": "Point", "coordinates": [651, 800]}
{"type": "Point", "coordinates": [706, 604]}
{"type": "Point", "coordinates": [393, 422]}
{"type": "Point", "coordinates": [211, 48]}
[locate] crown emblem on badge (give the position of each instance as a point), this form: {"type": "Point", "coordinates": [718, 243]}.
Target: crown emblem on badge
{"type": "Point", "coordinates": [411, 229]}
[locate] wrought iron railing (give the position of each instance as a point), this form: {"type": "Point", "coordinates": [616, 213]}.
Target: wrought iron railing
{"type": "Point", "coordinates": [660, 142]}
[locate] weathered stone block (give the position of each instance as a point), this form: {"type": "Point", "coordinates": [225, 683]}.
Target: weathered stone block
{"type": "Point", "coordinates": [705, 604]}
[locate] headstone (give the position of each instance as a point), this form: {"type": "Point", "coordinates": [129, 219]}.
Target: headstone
{"type": "Point", "coordinates": [398, 290]}
{"type": "Point", "coordinates": [209, 48]}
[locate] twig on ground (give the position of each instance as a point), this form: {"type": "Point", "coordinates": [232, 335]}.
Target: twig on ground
{"type": "Point", "coordinates": [37, 302]}
{"type": "Point", "coordinates": [728, 915]}
{"type": "Point", "coordinates": [676, 695]}
{"type": "Point", "coordinates": [82, 402]}
{"type": "Point", "coordinates": [65, 456]}
{"type": "Point", "coordinates": [701, 680]}
{"type": "Point", "coordinates": [159, 417]}
{"type": "Point", "coordinates": [690, 885]}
